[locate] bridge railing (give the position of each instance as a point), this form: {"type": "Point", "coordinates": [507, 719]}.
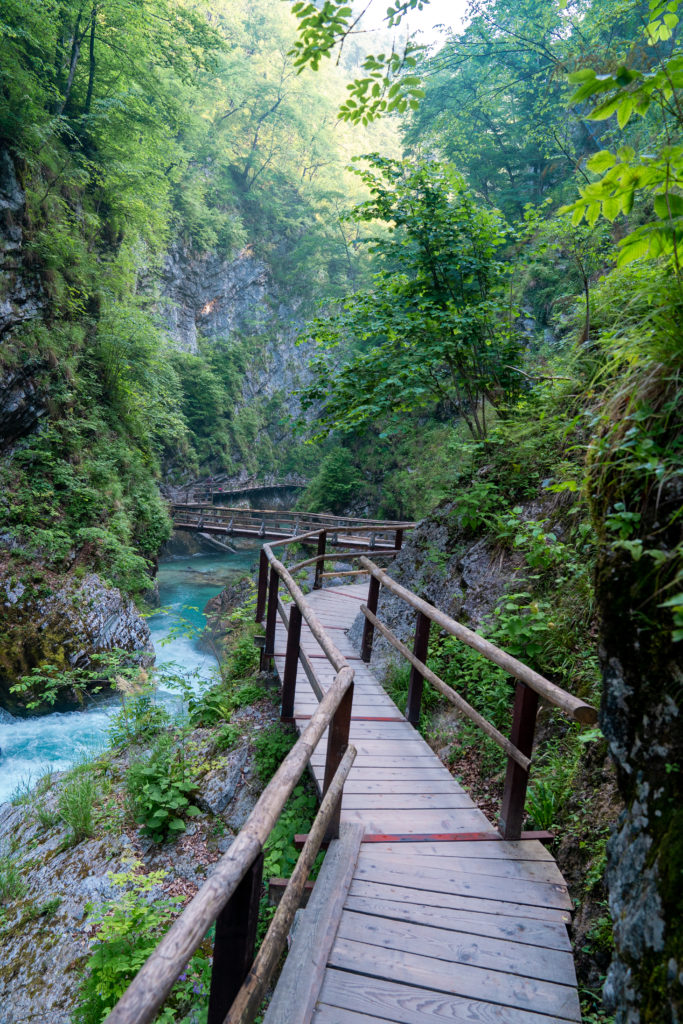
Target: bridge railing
{"type": "Point", "coordinates": [373, 534]}
{"type": "Point", "coordinates": [530, 685]}
{"type": "Point", "coordinates": [230, 897]}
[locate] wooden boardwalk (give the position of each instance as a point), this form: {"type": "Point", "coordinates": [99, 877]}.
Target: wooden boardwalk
{"type": "Point", "coordinates": [425, 922]}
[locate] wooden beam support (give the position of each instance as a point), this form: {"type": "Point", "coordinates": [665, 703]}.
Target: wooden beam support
{"type": "Point", "coordinates": [416, 683]}
{"type": "Point", "coordinates": [368, 628]}
{"type": "Point", "coordinates": [320, 565]}
{"type": "Point", "coordinates": [233, 947]}
{"type": "Point", "coordinates": [291, 663]}
{"type": "Point", "coordinates": [516, 777]}
{"type": "Point", "coordinates": [271, 621]}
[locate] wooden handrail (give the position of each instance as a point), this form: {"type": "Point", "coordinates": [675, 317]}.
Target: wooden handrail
{"type": "Point", "coordinates": [573, 706]}
{"type": "Point", "coordinates": [447, 691]}
{"type": "Point", "coordinates": [334, 655]}
{"type": "Point", "coordinates": [336, 555]}
{"type": "Point", "coordinates": [146, 993]}
{"type": "Point", "coordinates": [351, 522]}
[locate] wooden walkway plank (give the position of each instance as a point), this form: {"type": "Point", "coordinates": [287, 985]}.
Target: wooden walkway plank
{"type": "Point", "coordinates": [373, 999]}
{"type": "Point", "coordinates": [507, 990]}
{"type": "Point", "coordinates": [458, 947]}
{"type": "Point", "coordinates": [546, 934]}
{"type": "Point", "coordinates": [536, 894]}
{"type": "Point", "coordinates": [503, 867]}
{"type": "Point", "coordinates": [425, 931]}
{"type": "Point", "coordinates": [436, 898]}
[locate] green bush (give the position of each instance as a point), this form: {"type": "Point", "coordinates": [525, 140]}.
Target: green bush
{"type": "Point", "coordinates": [271, 746]}
{"type": "Point", "coordinates": [139, 719]}
{"type": "Point", "coordinates": [128, 931]}
{"type": "Point", "coordinates": [244, 658]}
{"type": "Point", "coordinates": [76, 804]}
{"type": "Point", "coordinates": [159, 790]}
{"type": "Point", "coordinates": [12, 885]}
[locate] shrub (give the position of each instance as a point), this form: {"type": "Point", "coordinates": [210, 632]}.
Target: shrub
{"type": "Point", "coordinates": [271, 746]}
{"type": "Point", "coordinates": [128, 931]}
{"type": "Point", "coordinates": [76, 802]}
{"type": "Point", "coordinates": [159, 790]}
{"type": "Point", "coordinates": [139, 719]}
{"type": "Point", "coordinates": [12, 885]}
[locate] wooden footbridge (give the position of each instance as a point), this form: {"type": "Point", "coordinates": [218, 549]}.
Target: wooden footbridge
{"type": "Point", "coordinates": [423, 911]}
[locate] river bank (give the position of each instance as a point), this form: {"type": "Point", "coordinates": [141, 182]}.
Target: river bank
{"type": "Point", "coordinates": [30, 746]}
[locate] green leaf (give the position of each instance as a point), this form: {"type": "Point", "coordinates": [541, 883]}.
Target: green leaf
{"type": "Point", "coordinates": [601, 161]}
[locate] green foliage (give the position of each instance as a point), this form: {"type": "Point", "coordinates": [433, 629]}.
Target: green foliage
{"type": "Point", "coordinates": [12, 884]}
{"type": "Point", "coordinates": [159, 790]}
{"type": "Point", "coordinates": [397, 681]}
{"type": "Point", "coordinates": [334, 486]}
{"type": "Point", "coordinates": [271, 746]}
{"type": "Point", "coordinates": [626, 91]}
{"type": "Point", "coordinates": [139, 718]}
{"type": "Point", "coordinates": [76, 805]}
{"type": "Point", "coordinates": [227, 737]}
{"type": "Point", "coordinates": [435, 327]}
{"type": "Point", "coordinates": [45, 817]}
{"type": "Point", "coordinates": [390, 83]}
{"type": "Point", "coordinates": [128, 930]}
{"type": "Point", "coordinates": [280, 854]}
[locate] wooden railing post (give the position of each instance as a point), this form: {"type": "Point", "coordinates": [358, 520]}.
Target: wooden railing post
{"type": "Point", "coordinates": [233, 947]}
{"type": "Point", "coordinates": [320, 565]}
{"type": "Point", "coordinates": [516, 777]}
{"type": "Point", "coordinates": [262, 586]}
{"type": "Point", "coordinates": [291, 664]}
{"type": "Point", "coordinates": [337, 742]}
{"type": "Point", "coordinates": [368, 628]}
{"type": "Point", "coordinates": [416, 683]}
{"type": "Point", "coordinates": [398, 541]}
{"type": "Point", "coordinates": [271, 620]}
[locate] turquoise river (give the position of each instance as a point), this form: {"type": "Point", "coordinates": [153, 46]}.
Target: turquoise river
{"type": "Point", "coordinates": [29, 746]}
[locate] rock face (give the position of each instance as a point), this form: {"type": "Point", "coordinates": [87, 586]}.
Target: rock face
{"type": "Point", "coordinates": [22, 401]}
{"type": "Point", "coordinates": [221, 298]}
{"type": "Point", "coordinates": [19, 296]}
{"type": "Point", "coordinates": [642, 718]}
{"type": "Point", "coordinates": [214, 295]}
{"type": "Point", "coordinates": [68, 624]}
{"type": "Point", "coordinates": [464, 579]}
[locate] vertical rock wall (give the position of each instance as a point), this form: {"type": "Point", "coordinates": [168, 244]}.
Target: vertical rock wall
{"type": "Point", "coordinates": [642, 717]}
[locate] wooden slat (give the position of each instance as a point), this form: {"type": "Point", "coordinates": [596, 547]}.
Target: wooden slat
{"type": "Point", "coordinates": [546, 934]}
{"type": "Point", "coordinates": [503, 867]}
{"type": "Point", "coordinates": [537, 894]}
{"type": "Point", "coordinates": [357, 999]}
{"type": "Point", "coordinates": [457, 947]}
{"type": "Point", "coordinates": [486, 985]}
{"type": "Point", "coordinates": [518, 850]}
{"type": "Point", "coordinates": [405, 801]}
{"type": "Point", "coordinates": [418, 821]}
{"type": "Point", "coordinates": [435, 898]}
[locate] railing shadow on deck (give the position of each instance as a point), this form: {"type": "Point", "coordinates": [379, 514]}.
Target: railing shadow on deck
{"type": "Point", "coordinates": [230, 897]}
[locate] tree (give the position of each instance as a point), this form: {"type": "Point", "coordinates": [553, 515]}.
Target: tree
{"type": "Point", "coordinates": [435, 328]}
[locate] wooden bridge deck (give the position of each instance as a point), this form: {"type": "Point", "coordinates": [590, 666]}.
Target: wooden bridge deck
{"type": "Point", "coordinates": [426, 922]}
